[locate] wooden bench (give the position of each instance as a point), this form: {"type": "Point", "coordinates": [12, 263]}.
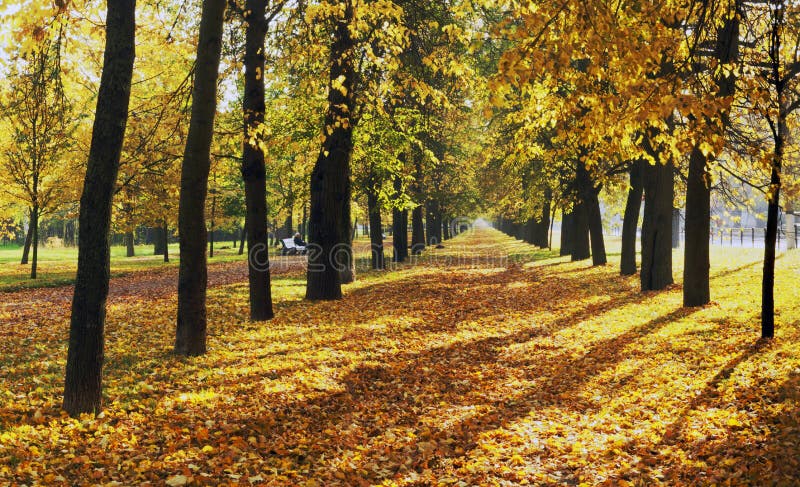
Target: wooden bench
{"type": "Point", "coordinates": [289, 247]}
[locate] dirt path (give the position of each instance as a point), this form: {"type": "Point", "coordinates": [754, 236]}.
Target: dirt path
{"type": "Point", "coordinates": [27, 304]}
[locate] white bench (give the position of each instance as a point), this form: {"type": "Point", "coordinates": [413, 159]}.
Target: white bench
{"type": "Point", "coordinates": [289, 247]}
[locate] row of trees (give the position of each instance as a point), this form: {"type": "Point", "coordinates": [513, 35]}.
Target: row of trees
{"type": "Point", "coordinates": [672, 101]}
{"type": "Point", "coordinates": [425, 110]}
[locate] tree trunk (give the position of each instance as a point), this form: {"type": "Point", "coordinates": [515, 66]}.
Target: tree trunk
{"type": "Point", "coordinates": [400, 235]}
{"type": "Point", "coordinates": [768, 279]}
{"type": "Point", "coordinates": [773, 207]}
{"type": "Point", "coordinates": [417, 231]}
{"type": "Point", "coordinates": [676, 228]}
{"type": "Point", "coordinates": [242, 237]}
{"type": "Point", "coordinates": [213, 225]}
{"type": "Point", "coordinates": [580, 232]}
{"type": "Point", "coordinates": [288, 224]}
{"type": "Point", "coordinates": [696, 289]}
{"type": "Point", "coordinates": [348, 231]}
{"type": "Point", "coordinates": [417, 226]}
{"type": "Point", "coordinates": [190, 336]}
{"type": "Point", "coordinates": [304, 225]}
{"type": "Point", "coordinates": [35, 240]}
{"type": "Point", "coordinates": [596, 228]}
{"type": "Point", "coordinates": [254, 166]}
{"type": "Point", "coordinates": [165, 240]}
{"type": "Point", "coordinates": [580, 215]}
{"type": "Point", "coordinates": [433, 223]}
{"type": "Point", "coordinates": [83, 382]}
{"type": "Point", "coordinates": [399, 226]}
{"type": "Point", "coordinates": [329, 223]}
{"type": "Point", "coordinates": [26, 249]}
{"type": "Point", "coordinates": [630, 220]}
{"type": "Point", "coordinates": [658, 182]}
{"type": "Point", "coordinates": [566, 233]}
{"type": "Point", "coordinates": [375, 228]}
{"type": "Point", "coordinates": [130, 251]}
{"type": "Point", "coordinates": [158, 240]}
{"type": "Point", "coordinates": [541, 228]}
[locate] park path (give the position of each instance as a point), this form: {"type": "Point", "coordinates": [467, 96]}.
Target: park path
{"type": "Point", "coordinates": [24, 306]}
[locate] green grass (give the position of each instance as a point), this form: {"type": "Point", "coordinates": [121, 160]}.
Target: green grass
{"type": "Point", "coordinates": [57, 266]}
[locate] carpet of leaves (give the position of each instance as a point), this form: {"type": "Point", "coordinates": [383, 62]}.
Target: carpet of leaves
{"type": "Point", "coordinates": [458, 371]}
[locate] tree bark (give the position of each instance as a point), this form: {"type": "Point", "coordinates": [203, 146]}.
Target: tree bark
{"type": "Point", "coordinates": [375, 228]}
{"type": "Point", "coordinates": [580, 215]}
{"type": "Point", "coordinates": [417, 226]}
{"type": "Point", "coordinates": [596, 228]}
{"type": "Point", "coordinates": [400, 235]}
{"type": "Point", "coordinates": [130, 250]}
{"type": "Point", "coordinates": [83, 382]}
{"type": "Point", "coordinates": [541, 228]}
{"type": "Point", "coordinates": [165, 240]}
{"type": "Point", "coordinates": [773, 207]}
{"type": "Point", "coordinates": [329, 223]}
{"type": "Point", "coordinates": [580, 232]}
{"type": "Point", "coordinates": [158, 240]}
{"type": "Point", "coordinates": [417, 231]}
{"type": "Point", "coordinates": [26, 249]}
{"type": "Point", "coordinates": [630, 220]}
{"type": "Point", "coordinates": [696, 269]}
{"type": "Point", "coordinates": [658, 182]}
{"type": "Point", "coordinates": [35, 240]}
{"type": "Point", "coordinates": [567, 227]}
{"type": "Point", "coordinates": [190, 336]}
{"type": "Point", "coordinates": [433, 225]}
{"type": "Point", "coordinates": [399, 226]}
{"type": "Point", "coordinates": [212, 226]}
{"type": "Point", "coordinates": [254, 166]}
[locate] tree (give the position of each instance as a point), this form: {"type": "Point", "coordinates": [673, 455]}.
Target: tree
{"type": "Point", "coordinates": [253, 166]}
{"type": "Point", "coordinates": [83, 381]}
{"type": "Point", "coordinates": [630, 220]}
{"type": "Point", "coordinates": [696, 291]}
{"type": "Point", "coordinates": [329, 223]}
{"type": "Point", "coordinates": [38, 116]}
{"type": "Point", "coordinates": [190, 336]}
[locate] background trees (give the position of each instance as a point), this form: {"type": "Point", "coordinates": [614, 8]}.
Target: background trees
{"type": "Point", "coordinates": [330, 109]}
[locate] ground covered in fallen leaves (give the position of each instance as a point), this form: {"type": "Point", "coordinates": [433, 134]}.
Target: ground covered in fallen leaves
{"type": "Point", "coordinates": [486, 363]}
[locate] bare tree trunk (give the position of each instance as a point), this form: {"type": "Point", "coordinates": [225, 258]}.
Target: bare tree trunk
{"type": "Point", "coordinates": [630, 220]}
{"type": "Point", "coordinates": [596, 228]}
{"type": "Point", "coordinates": [780, 134]}
{"type": "Point", "coordinates": [190, 336]}
{"type": "Point", "coordinates": [330, 180]}
{"type": "Point", "coordinates": [213, 224]}
{"type": "Point", "coordinates": [26, 249]}
{"type": "Point", "coordinates": [165, 240]}
{"type": "Point", "coordinates": [83, 382]}
{"type": "Point", "coordinates": [541, 228]}
{"type": "Point", "coordinates": [656, 271]}
{"type": "Point", "coordinates": [375, 228]}
{"type": "Point", "coordinates": [567, 232]}
{"type": "Point", "coordinates": [696, 269]}
{"type": "Point", "coordinates": [130, 250]}
{"type": "Point", "coordinates": [399, 226]}
{"type": "Point", "coordinates": [35, 240]}
{"type": "Point", "coordinates": [417, 225]}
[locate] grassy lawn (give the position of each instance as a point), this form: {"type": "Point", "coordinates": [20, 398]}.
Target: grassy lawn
{"type": "Point", "coordinates": [57, 266]}
{"type": "Point", "coordinates": [468, 367]}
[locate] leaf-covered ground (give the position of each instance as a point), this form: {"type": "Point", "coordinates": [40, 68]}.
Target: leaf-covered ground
{"type": "Point", "coordinates": [466, 369]}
